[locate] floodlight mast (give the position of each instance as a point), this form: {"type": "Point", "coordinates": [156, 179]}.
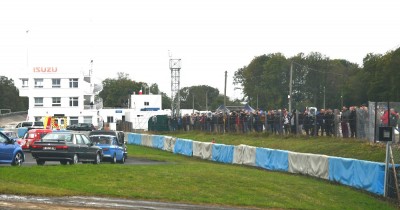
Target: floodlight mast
{"type": "Point", "coordinates": [175, 67]}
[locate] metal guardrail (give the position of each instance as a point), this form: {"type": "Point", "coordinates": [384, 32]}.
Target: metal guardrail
{"type": "Point", "coordinates": [13, 113]}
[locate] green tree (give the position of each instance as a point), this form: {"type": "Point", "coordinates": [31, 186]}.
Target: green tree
{"type": "Point", "coordinates": [116, 92]}
{"type": "Point", "coordinates": [202, 97]}
{"type": "Point", "coordinates": [10, 96]}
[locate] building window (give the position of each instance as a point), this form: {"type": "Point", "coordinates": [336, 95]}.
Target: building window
{"type": "Point", "coordinates": [73, 101]}
{"type": "Point", "coordinates": [110, 119]}
{"type": "Point", "coordinates": [56, 101]}
{"type": "Point", "coordinates": [38, 83]}
{"type": "Point", "coordinates": [56, 83]}
{"type": "Point", "coordinates": [146, 103]}
{"type": "Point", "coordinates": [73, 120]}
{"type": "Point", "coordinates": [73, 83]}
{"type": "Point", "coordinates": [87, 119]}
{"type": "Point", "coordinates": [38, 102]}
{"type": "Point", "coordinates": [25, 83]}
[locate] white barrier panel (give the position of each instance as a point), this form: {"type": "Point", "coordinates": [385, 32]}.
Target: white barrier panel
{"type": "Point", "coordinates": [244, 154]}
{"type": "Point", "coordinates": [169, 143]}
{"type": "Point", "coordinates": [147, 140]}
{"type": "Point", "coordinates": [202, 150]}
{"type": "Point", "coordinates": [310, 164]}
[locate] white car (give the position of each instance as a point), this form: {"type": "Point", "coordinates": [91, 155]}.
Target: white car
{"type": "Point", "coordinates": [30, 125]}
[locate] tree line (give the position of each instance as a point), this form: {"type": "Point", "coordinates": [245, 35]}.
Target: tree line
{"type": "Point", "coordinates": [316, 81]}
{"type": "Point", "coordinates": [319, 81]}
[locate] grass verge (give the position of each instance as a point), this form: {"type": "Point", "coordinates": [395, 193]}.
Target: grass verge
{"type": "Point", "coordinates": [187, 180]}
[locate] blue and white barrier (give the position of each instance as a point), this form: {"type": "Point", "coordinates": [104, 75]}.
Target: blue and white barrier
{"type": "Point", "coordinates": [272, 159]}
{"type": "Point", "coordinates": [245, 155]}
{"type": "Point", "coordinates": [309, 164]}
{"type": "Point", "coordinates": [222, 153]}
{"type": "Point", "coordinates": [360, 174]}
{"type": "Point", "coordinates": [202, 150]}
{"type": "Point", "coordinates": [183, 147]}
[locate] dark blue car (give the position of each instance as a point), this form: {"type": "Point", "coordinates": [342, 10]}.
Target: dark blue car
{"type": "Point", "coordinates": [10, 151]}
{"type": "Point", "coordinates": [112, 150]}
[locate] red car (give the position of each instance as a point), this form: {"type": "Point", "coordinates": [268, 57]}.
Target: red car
{"type": "Point", "coordinates": [31, 136]}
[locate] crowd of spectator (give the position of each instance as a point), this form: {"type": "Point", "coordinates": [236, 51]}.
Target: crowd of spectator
{"type": "Point", "coordinates": [350, 122]}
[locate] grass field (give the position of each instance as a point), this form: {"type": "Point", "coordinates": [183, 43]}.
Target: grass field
{"type": "Point", "coordinates": [190, 180]}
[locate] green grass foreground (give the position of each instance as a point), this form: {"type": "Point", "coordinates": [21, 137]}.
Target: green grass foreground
{"type": "Point", "coordinates": [188, 180]}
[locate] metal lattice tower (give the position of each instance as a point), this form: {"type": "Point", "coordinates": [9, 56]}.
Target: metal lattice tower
{"type": "Point", "coordinates": [175, 66]}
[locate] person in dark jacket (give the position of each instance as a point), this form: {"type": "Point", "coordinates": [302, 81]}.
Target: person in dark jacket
{"type": "Point", "coordinates": [308, 123]}
{"type": "Point", "coordinates": [353, 122]}
{"type": "Point", "coordinates": [329, 122]}
{"type": "Point", "coordinates": [345, 121]}
{"type": "Point", "coordinates": [320, 122]}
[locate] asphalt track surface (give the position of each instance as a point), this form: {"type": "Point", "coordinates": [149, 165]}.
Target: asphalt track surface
{"type": "Point", "coordinates": [29, 161]}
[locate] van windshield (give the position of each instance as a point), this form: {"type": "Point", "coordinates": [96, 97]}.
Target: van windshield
{"type": "Point", "coordinates": [27, 124]}
{"type": "Point", "coordinates": [38, 123]}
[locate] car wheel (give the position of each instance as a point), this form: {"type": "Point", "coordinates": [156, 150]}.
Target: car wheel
{"type": "Point", "coordinates": [122, 161]}
{"type": "Point", "coordinates": [74, 160]}
{"type": "Point", "coordinates": [40, 162]}
{"type": "Point", "coordinates": [18, 159]}
{"type": "Point", "coordinates": [63, 162]}
{"type": "Point", "coordinates": [114, 159]}
{"type": "Point", "coordinates": [98, 159]}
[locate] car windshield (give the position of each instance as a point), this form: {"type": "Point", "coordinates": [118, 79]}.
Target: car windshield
{"type": "Point", "coordinates": [58, 136]}
{"type": "Point", "coordinates": [101, 139]}
{"type": "Point", "coordinates": [10, 134]}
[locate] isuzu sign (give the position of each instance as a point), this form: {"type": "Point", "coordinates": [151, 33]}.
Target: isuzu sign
{"type": "Point", "coordinates": [45, 69]}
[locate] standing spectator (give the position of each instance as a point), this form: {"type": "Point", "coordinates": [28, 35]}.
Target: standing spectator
{"type": "Point", "coordinates": [278, 122]}
{"type": "Point", "coordinates": [329, 122]}
{"type": "Point", "coordinates": [362, 119]}
{"type": "Point", "coordinates": [345, 121]}
{"type": "Point", "coordinates": [320, 122]}
{"type": "Point", "coordinates": [308, 123]}
{"type": "Point", "coordinates": [286, 122]}
{"type": "Point", "coordinates": [394, 117]}
{"type": "Point", "coordinates": [353, 122]}
{"type": "Point", "coordinates": [245, 117]}
{"type": "Point", "coordinates": [270, 121]}
{"type": "Point", "coordinates": [293, 125]}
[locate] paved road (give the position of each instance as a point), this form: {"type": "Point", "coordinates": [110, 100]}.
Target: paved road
{"type": "Point", "coordinates": [30, 161]}
{"type": "Point", "coordinates": [85, 203]}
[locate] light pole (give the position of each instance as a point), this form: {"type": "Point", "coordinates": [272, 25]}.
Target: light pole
{"type": "Point", "coordinates": [207, 100]}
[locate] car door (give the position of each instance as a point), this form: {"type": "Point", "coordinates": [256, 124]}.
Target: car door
{"type": "Point", "coordinates": [6, 148]}
{"type": "Point", "coordinates": [90, 148]}
{"type": "Point", "coordinates": [82, 148]}
{"type": "Point", "coordinates": [118, 148]}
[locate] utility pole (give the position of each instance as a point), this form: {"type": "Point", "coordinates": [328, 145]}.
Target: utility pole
{"type": "Point", "coordinates": [207, 100]}
{"type": "Point", "coordinates": [226, 74]}
{"type": "Point", "coordinates": [290, 87]}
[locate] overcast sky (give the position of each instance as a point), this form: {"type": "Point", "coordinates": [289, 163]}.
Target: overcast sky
{"type": "Point", "coordinates": [210, 36]}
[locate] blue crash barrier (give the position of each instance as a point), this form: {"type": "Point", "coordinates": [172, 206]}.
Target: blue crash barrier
{"type": "Point", "coordinates": [360, 174]}
{"type": "Point", "coordinates": [183, 147]}
{"type": "Point", "coordinates": [222, 153]}
{"type": "Point", "coordinates": [365, 175]}
{"type": "Point", "coordinates": [158, 141]}
{"type": "Point", "coordinates": [272, 159]}
{"type": "Point", "coordinates": [134, 138]}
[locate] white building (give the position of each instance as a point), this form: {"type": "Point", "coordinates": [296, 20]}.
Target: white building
{"type": "Point", "coordinates": [70, 99]}
{"type": "Point", "coordinates": [56, 91]}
